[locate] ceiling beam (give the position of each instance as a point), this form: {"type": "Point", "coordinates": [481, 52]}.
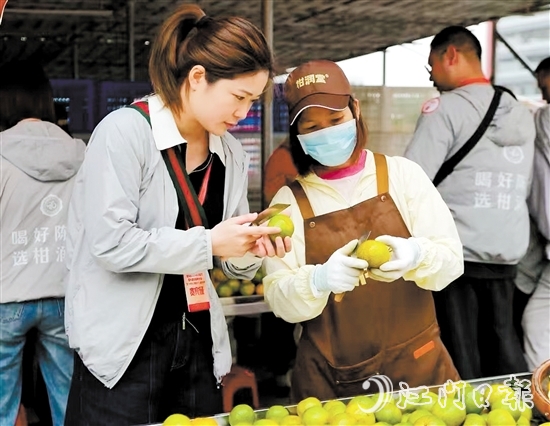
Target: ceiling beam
{"type": "Point", "coordinates": [65, 12]}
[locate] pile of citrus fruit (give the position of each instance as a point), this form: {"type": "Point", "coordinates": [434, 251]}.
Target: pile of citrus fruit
{"type": "Point", "coordinates": [460, 404]}
{"type": "Point", "coordinates": [226, 287]}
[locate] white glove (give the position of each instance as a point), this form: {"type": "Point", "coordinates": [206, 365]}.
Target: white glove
{"type": "Point", "coordinates": [405, 258]}
{"type": "Point", "coordinates": [340, 272]}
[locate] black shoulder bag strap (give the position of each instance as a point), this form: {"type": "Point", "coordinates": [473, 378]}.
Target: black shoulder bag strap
{"type": "Point", "coordinates": [448, 166]}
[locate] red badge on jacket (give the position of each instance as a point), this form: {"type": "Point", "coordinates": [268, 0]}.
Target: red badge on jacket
{"type": "Point", "coordinates": [430, 105]}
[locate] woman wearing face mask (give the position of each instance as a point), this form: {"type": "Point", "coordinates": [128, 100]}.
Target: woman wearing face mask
{"type": "Point", "coordinates": [388, 326]}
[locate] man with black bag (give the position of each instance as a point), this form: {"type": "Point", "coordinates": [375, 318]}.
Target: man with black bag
{"type": "Point", "coordinates": [476, 143]}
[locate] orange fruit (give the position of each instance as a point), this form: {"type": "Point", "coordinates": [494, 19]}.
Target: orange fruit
{"type": "Point", "coordinates": [285, 223]}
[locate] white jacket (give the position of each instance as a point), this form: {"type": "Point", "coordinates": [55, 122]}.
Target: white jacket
{"type": "Point", "coordinates": [122, 239]}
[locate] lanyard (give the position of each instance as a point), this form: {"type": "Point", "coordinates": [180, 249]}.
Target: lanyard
{"type": "Point", "coordinates": [204, 185]}
{"type": "Point", "coordinates": [189, 202]}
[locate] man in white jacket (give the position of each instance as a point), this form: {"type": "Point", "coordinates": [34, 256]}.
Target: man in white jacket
{"type": "Point", "coordinates": [536, 317]}
{"type": "Point", "coordinates": [38, 162]}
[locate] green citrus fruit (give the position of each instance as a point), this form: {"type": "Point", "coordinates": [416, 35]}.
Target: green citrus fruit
{"type": "Point", "coordinates": [473, 400]}
{"type": "Point", "coordinates": [342, 419]}
{"type": "Point", "coordinates": [242, 413]}
{"type": "Point", "coordinates": [473, 419]}
{"type": "Point", "coordinates": [416, 414]}
{"type": "Point", "coordinates": [374, 252]}
{"type": "Point", "coordinates": [500, 417]}
{"type": "Point", "coordinates": [429, 420]}
{"type": "Point", "coordinates": [247, 288]}
{"type": "Point", "coordinates": [266, 422]}
{"type": "Point", "coordinates": [334, 407]}
{"type": "Point", "coordinates": [315, 416]}
{"type": "Point", "coordinates": [285, 223]}
{"type": "Point", "coordinates": [177, 420]}
{"type": "Point", "coordinates": [306, 403]}
{"type": "Point", "coordinates": [234, 284]}
{"type": "Point", "coordinates": [204, 421]}
{"type": "Point", "coordinates": [276, 412]}
{"type": "Point", "coordinates": [291, 420]}
{"type": "Point", "coordinates": [449, 411]}
{"type": "Point", "coordinates": [389, 413]}
{"type": "Point", "coordinates": [224, 290]}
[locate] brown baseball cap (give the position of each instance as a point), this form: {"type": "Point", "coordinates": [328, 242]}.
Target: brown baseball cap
{"type": "Point", "coordinates": [318, 83]}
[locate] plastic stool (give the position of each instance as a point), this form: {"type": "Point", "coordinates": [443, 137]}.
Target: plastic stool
{"type": "Point", "coordinates": [236, 379]}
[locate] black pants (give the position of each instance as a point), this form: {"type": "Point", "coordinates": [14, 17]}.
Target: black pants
{"type": "Point", "coordinates": [476, 320]}
{"type": "Point", "coordinates": [172, 372]}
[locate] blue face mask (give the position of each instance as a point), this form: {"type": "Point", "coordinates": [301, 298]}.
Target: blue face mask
{"type": "Point", "coordinates": [331, 146]}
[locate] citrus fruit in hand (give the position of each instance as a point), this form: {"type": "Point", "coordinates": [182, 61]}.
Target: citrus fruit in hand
{"type": "Point", "coordinates": [374, 252]}
{"type": "Point", "coordinates": [285, 223]}
{"type": "Point", "coordinates": [176, 420]}
{"type": "Point", "coordinates": [242, 413]}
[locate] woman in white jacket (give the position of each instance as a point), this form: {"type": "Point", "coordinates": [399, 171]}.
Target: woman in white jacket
{"type": "Point", "coordinates": [161, 196]}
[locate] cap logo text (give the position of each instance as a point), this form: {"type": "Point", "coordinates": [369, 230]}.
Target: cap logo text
{"type": "Point", "coordinates": [310, 79]}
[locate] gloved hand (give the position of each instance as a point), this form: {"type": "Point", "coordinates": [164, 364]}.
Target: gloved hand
{"type": "Point", "coordinates": [405, 257]}
{"type": "Point", "coordinates": [340, 272]}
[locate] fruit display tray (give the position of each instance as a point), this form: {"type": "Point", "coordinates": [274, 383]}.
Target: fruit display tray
{"type": "Point", "coordinates": [244, 305]}
{"type": "Point", "coordinates": [223, 419]}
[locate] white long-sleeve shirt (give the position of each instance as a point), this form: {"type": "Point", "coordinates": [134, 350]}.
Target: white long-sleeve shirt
{"type": "Point", "coordinates": [287, 283]}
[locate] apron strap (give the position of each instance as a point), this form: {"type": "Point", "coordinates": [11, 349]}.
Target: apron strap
{"type": "Point", "coordinates": [301, 198]}
{"type": "Point", "coordinates": [382, 180]}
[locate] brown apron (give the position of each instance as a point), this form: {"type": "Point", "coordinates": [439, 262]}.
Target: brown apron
{"type": "Point", "coordinates": [378, 328]}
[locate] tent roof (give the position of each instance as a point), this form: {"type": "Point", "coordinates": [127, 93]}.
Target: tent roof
{"type": "Point", "coordinates": [303, 29]}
